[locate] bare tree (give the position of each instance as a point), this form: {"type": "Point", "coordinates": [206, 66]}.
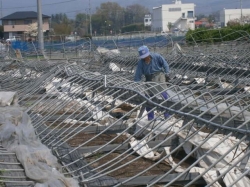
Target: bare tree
{"type": "Point", "coordinates": [238, 21]}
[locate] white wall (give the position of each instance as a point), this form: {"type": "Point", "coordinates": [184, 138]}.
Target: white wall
{"type": "Point", "coordinates": [147, 20]}
{"type": "Point", "coordinates": [157, 19]}
{"type": "Point", "coordinates": [231, 14]}
{"type": "Point", "coordinates": [164, 15]}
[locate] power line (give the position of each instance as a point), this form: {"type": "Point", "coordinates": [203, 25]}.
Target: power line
{"type": "Point", "coordinates": [225, 2]}
{"type": "Point", "coordinates": [34, 6]}
{"type": "Point", "coordinates": [199, 5]}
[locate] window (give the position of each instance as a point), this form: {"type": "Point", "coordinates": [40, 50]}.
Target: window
{"type": "Point", "coordinates": [191, 21]}
{"type": "Point", "coordinates": [183, 15]}
{"type": "Point", "coordinates": [146, 20]}
{"type": "Point", "coordinates": [27, 21]}
{"type": "Point", "coordinates": [10, 22]}
{"type": "Point", "coordinates": [190, 14]}
{"type": "Point", "coordinates": [174, 9]}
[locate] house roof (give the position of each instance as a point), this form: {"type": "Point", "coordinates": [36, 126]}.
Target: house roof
{"type": "Point", "coordinates": [198, 22]}
{"type": "Point", "coordinates": [23, 15]}
{"type": "Point", "coordinates": [204, 20]}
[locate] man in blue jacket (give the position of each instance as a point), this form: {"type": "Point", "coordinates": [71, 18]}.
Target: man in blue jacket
{"type": "Point", "coordinates": [155, 69]}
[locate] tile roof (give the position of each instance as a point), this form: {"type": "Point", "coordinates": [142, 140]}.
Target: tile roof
{"type": "Point", "coordinates": [23, 15]}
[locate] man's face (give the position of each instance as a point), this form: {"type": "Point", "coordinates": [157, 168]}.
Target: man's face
{"type": "Point", "coordinates": [147, 59]}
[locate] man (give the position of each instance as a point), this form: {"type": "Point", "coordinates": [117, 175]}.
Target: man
{"type": "Point", "coordinates": [156, 69]}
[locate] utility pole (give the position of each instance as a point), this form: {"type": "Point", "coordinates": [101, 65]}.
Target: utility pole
{"type": "Point", "coordinates": [86, 21]}
{"type": "Point", "coordinates": [241, 17]}
{"type": "Point", "coordinates": [90, 22]}
{"type": "Point", "coordinates": [1, 9]}
{"type": "Point", "coordinates": [40, 26]}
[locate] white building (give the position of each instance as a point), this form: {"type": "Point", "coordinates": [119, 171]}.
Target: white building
{"type": "Point", "coordinates": [147, 20]}
{"type": "Point", "coordinates": [227, 15]}
{"type": "Point", "coordinates": [176, 16]}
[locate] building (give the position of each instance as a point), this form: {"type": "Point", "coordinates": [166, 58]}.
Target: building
{"type": "Point", "coordinates": [204, 23]}
{"type": "Point", "coordinates": [147, 20]}
{"type": "Point", "coordinates": [17, 23]}
{"type": "Point", "coordinates": [176, 16]}
{"type": "Point", "coordinates": [227, 15]}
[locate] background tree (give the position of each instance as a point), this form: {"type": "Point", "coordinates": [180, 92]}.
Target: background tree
{"type": "Point", "coordinates": [59, 18]}
{"type": "Point", "coordinates": [200, 16]}
{"type": "Point", "coordinates": [61, 24]}
{"type": "Point", "coordinates": [135, 14]}
{"type": "Point", "coordinates": [62, 29]}
{"type": "Point", "coordinates": [1, 31]}
{"type": "Point", "coordinates": [246, 19]}
{"type": "Point", "coordinates": [109, 16]}
{"type": "Point", "coordinates": [211, 18]}
{"type": "Point", "coordinates": [81, 24]}
{"type": "Point", "coordinates": [170, 26]}
{"type": "Point", "coordinates": [98, 24]}
{"type": "Point", "coordinates": [238, 21]}
{"type": "Point", "coordinates": [133, 27]}
{"type": "Point", "coordinates": [233, 23]}
{"type": "Point", "coordinates": [216, 15]}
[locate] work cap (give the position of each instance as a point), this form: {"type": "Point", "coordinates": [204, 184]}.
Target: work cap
{"type": "Point", "coordinates": [143, 51]}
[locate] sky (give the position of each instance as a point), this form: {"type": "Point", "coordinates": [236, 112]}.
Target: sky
{"type": "Point", "coordinates": [72, 7]}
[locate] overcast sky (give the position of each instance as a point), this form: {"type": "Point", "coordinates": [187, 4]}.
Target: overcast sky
{"type": "Point", "coordinates": [72, 7]}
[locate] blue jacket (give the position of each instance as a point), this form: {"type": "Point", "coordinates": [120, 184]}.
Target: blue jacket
{"type": "Point", "coordinates": [158, 63]}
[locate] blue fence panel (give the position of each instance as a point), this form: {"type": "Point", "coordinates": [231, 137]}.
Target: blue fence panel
{"type": "Point", "coordinates": [121, 42]}
{"type": "Point", "coordinates": [19, 45]}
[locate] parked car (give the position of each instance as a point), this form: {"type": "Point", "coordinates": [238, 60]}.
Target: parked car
{"type": "Point", "coordinates": [12, 39]}
{"type": "Point", "coordinates": [72, 38]}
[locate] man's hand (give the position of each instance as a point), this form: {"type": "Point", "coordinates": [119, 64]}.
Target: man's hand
{"type": "Point", "coordinates": [167, 78]}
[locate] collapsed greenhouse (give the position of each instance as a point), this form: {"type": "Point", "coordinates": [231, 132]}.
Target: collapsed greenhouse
{"type": "Point", "coordinates": [68, 121]}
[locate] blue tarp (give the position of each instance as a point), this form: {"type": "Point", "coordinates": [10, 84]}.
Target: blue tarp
{"type": "Point", "coordinates": [120, 43]}
{"type": "Point", "coordinates": [19, 45]}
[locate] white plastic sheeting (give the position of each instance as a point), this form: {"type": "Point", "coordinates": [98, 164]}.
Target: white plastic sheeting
{"type": "Point", "coordinates": [209, 176]}
{"type": "Point", "coordinates": [170, 160]}
{"type": "Point", "coordinates": [232, 157]}
{"type": "Point", "coordinates": [142, 148]}
{"type": "Point", "coordinates": [215, 109]}
{"type": "Point", "coordinates": [17, 135]}
{"type": "Point", "coordinates": [161, 129]}
{"type": "Point", "coordinates": [108, 52]}
{"type": "Point", "coordinates": [115, 67]}
{"type": "Point", "coordinates": [232, 176]}
{"type": "Point", "coordinates": [97, 113]}
{"type": "Point", "coordinates": [8, 98]}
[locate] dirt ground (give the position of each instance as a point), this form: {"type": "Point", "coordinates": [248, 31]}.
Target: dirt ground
{"type": "Point", "coordinates": [129, 170]}
{"type": "Point", "coordinates": [99, 140]}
